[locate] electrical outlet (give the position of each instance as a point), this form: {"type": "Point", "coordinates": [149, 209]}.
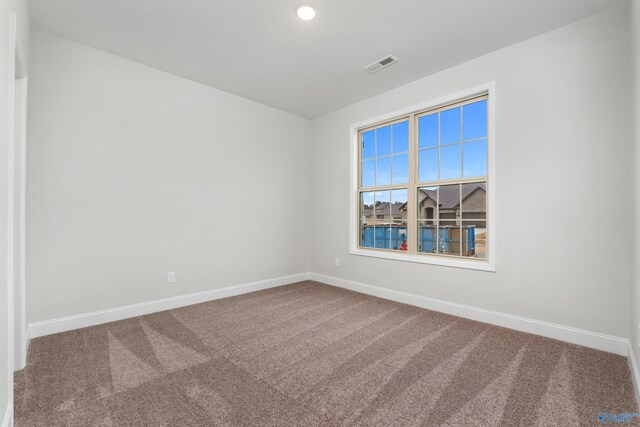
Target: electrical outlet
{"type": "Point", "coordinates": [336, 262]}
{"type": "Point", "coordinates": [171, 277]}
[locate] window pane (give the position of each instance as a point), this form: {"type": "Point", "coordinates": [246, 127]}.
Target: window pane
{"type": "Point", "coordinates": [475, 158]}
{"type": "Point", "coordinates": [427, 237]}
{"type": "Point", "coordinates": [428, 131]}
{"type": "Point", "coordinates": [368, 173]}
{"type": "Point", "coordinates": [474, 203]}
{"type": "Point", "coordinates": [383, 171]}
{"type": "Point", "coordinates": [400, 169]}
{"type": "Point", "coordinates": [391, 235]}
{"type": "Point", "coordinates": [381, 236]}
{"type": "Point", "coordinates": [449, 204]}
{"type": "Point", "coordinates": [383, 141]}
{"type": "Point", "coordinates": [450, 162]}
{"type": "Point", "coordinates": [368, 145]}
{"type": "Point", "coordinates": [366, 207]}
{"type": "Point", "coordinates": [401, 137]}
{"type": "Point", "coordinates": [474, 240]}
{"type": "Point", "coordinates": [474, 224]}
{"type": "Point", "coordinates": [475, 120]}
{"type": "Point", "coordinates": [398, 236]}
{"type": "Point", "coordinates": [450, 126]}
{"type": "Point", "coordinates": [366, 235]}
{"type": "Point", "coordinates": [399, 204]}
{"type": "Point", "coordinates": [449, 241]}
{"type": "Point", "coordinates": [427, 203]}
{"type": "Point", "coordinates": [366, 219]}
{"type": "Point", "coordinates": [382, 206]}
{"type": "Point", "coordinates": [428, 165]}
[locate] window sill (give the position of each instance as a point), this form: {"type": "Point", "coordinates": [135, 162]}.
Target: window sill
{"type": "Point", "coordinates": [469, 264]}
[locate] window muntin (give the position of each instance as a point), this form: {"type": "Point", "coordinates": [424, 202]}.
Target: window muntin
{"type": "Point", "coordinates": [446, 213]}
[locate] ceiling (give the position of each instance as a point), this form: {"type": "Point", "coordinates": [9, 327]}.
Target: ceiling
{"type": "Point", "coordinates": [259, 49]}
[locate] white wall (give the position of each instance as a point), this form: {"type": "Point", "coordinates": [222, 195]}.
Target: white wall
{"type": "Point", "coordinates": [562, 206]}
{"type": "Point", "coordinates": [134, 172]}
{"type": "Point", "coordinates": [634, 117]}
{"type": "Point", "coordinates": [12, 63]}
{"type": "Point", "coordinates": [23, 28]}
{"type": "Point", "coordinates": [6, 74]}
{"type": "Point", "coordinates": [19, 223]}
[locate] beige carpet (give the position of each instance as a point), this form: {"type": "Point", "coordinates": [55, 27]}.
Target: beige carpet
{"type": "Point", "coordinates": [310, 354]}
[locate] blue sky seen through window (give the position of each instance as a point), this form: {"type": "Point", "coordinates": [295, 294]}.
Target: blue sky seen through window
{"type": "Point", "coordinates": [457, 139]}
{"type": "Point", "coordinates": [385, 155]}
{"type": "Point", "coordinates": [452, 144]}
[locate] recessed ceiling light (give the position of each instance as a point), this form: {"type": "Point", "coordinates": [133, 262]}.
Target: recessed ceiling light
{"type": "Point", "coordinates": [306, 12]}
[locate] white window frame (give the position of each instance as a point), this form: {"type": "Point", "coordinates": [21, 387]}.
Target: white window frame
{"type": "Point", "coordinates": [471, 263]}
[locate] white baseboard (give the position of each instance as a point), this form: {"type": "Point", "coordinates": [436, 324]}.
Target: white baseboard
{"type": "Point", "coordinates": [635, 373]}
{"type": "Point", "coordinates": [7, 420]}
{"type": "Point", "coordinates": [569, 334]}
{"type": "Point", "coordinates": [596, 340]}
{"type": "Point", "coordinates": [63, 324]}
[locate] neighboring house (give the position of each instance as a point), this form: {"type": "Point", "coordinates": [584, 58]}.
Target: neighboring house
{"type": "Point", "coordinates": [473, 207]}
{"type": "Point", "coordinates": [384, 213]}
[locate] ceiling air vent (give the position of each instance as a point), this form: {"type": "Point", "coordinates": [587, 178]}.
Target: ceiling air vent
{"type": "Point", "coordinates": [381, 63]}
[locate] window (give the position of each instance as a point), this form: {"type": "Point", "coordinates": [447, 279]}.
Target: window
{"type": "Point", "coordinates": [423, 188]}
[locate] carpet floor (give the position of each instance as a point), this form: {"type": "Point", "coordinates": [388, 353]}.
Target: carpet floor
{"type": "Point", "coordinates": [310, 354]}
